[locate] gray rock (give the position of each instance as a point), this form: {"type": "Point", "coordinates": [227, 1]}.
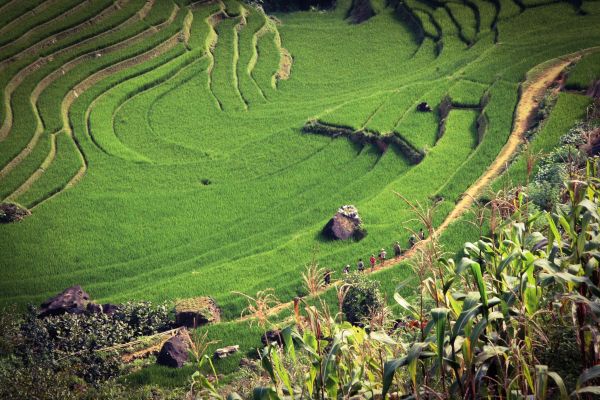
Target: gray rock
{"type": "Point", "coordinates": [72, 300]}
{"type": "Point", "coordinates": [344, 226]}
{"type": "Point", "coordinates": [174, 353]}
{"type": "Point", "coordinates": [226, 351]}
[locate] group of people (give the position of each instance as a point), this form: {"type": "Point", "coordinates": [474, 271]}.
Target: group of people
{"type": "Point", "coordinates": [382, 256]}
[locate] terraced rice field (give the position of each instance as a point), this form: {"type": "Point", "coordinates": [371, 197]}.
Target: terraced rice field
{"type": "Point", "coordinates": [161, 149]}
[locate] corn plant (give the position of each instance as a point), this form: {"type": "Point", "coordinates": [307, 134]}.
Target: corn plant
{"type": "Point", "coordinates": [485, 334]}
{"type": "Point", "coordinates": [326, 360]}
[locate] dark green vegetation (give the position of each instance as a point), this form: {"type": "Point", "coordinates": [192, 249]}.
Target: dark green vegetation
{"type": "Point", "coordinates": [110, 128]}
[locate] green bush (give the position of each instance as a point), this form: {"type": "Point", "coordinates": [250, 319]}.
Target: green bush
{"type": "Point", "coordinates": [77, 342]}
{"type": "Point", "coordinates": [363, 298]}
{"type": "Point", "coordinates": [144, 318]}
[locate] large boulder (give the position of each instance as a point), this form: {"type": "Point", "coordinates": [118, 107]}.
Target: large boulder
{"type": "Point", "coordinates": [196, 311]}
{"type": "Point", "coordinates": [345, 224]}
{"type": "Point", "coordinates": [10, 212]}
{"type": "Point", "coordinates": [174, 352]}
{"type": "Point", "coordinates": [72, 300]}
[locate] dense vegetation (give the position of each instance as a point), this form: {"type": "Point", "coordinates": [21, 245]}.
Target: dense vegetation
{"type": "Point", "coordinates": [170, 149]}
{"type": "Point", "coordinates": [105, 130]}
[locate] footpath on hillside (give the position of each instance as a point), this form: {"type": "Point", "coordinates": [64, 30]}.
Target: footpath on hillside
{"type": "Point", "coordinates": [533, 90]}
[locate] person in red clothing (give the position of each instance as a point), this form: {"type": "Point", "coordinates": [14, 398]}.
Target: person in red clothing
{"type": "Point", "coordinates": [373, 260]}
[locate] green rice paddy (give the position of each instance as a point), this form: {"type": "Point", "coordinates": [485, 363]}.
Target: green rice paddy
{"type": "Point", "coordinates": [161, 147]}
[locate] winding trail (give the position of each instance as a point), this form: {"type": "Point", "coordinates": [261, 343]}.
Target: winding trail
{"type": "Point", "coordinates": [533, 90]}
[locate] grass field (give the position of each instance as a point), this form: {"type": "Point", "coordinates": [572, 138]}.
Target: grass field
{"type": "Point", "coordinates": [111, 130]}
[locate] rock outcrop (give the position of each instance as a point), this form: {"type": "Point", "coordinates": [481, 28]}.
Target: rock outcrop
{"type": "Point", "coordinates": [174, 353]}
{"type": "Point", "coordinates": [108, 309]}
{"type": "Point", "coordinates": [345, 224]}
{"type": "Point", "coordinates": [73, 300]}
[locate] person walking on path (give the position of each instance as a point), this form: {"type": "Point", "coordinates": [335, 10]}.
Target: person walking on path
{"type": "Point", "coordinates": [421, 234]}
{"type": "Point", "coordinates": [361, 265]}
{"type": "Point", "coordinates": [327, 277]}
{"type": "Point", "coordinates": [347, 269]}
{"type": "Point", "coordinates": [397, 250]}
{"type": "Point", "coordinates": [373, 260]}
{"type": "Point", "coordinates": [412, 240]}
{"type": "Point", "coordinates": [382, 256]}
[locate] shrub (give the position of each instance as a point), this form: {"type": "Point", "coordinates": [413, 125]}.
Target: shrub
{"type": "Point", "coordinates": [35, 382]}
{"type": "Point", "coordinates": [362, 299]}
{"type": "Point", "coordinates": [553, 170]}
{"type": "Point", "coordinates": [576, 135]}
{"type": "Point", "coordinates": [73, 341]}
{"type": "Point", "coordinates": [144, 318]}
{"type": "Point", "coordinates": [545, 194]}
{"type": "Point", "coordinates": [9, 327]}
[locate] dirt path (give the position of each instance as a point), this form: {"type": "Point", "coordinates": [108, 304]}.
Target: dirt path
{"type": "Point", "coordinates": [534, 89]}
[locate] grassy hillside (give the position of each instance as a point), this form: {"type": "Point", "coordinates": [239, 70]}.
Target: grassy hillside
{"type": "Point", "coordinates": [161, 146]}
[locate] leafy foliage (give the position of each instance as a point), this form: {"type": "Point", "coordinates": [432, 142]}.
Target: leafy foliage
{"type": "Point", "coordinates": [81, 342]}
{"type": "Point", "coordinates": [485, 338]}
{"type": "Point", "coordinates": [362, 298]}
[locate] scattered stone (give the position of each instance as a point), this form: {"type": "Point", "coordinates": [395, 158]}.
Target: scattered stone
{"type": "Point", "coordinates": [72, 300]}
{"type": "Point", "coordinates": [174, 353]}
{"type": "Point", "coordinates": [10, 212]}
{"type": "Point", "coordinates": [424, 107]}
{"type": "Point", "coordinates": [272, 336]}
{"type": "Point", "coordinates": [345, 224]}
{"type": "Point", "coordinates": [226, 351]}
{"type": "Point", "coordinates": [196, 311]}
